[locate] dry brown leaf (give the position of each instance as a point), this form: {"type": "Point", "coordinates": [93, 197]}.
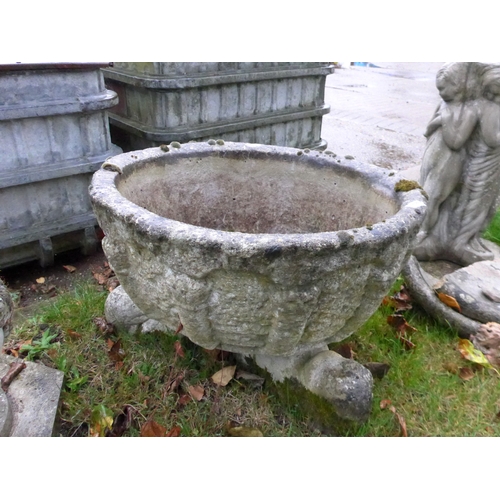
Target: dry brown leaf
{"type": "Point", "coordinates": [385, 403]}
{"type": "Point", "coordinates": [465, 373]}
{"type": "Point", "coordinates": [179, 351]}
{"type": "Point", "coordinates": [449, 301]}
{"type": "Point", "coordinates": [40, 281]}
{"type": "Point", "coordinates": [173, 382]}
{"type": "Point", "coordinates": [74, 335]}
{"type": "Point", "coordinates": [224, 376]}
{"type": "Point", "coordinates": [401, 421]}
{"type": "Point", "coordinates": [116, 353]}
{"type": "Point", "coordinates": [70, 269]}
{"type": "Point", "coordinates": [103, 326]}
{"type": "Point", "coordinates": [179, 328]}
{"type": "Point", "coordinates": [400, 324]}
{"type": "Point", "coordinates": [196, 391]}
{"type": "Point", "coordinates": [184, 399]}
{"type": "Point", "coordinates": [174, 432]}
{"type": "Point", "coordinates": [101, 278]}
{"type": "Point", "coordinates": [153, 429]}
{"type": "Point", "coordinates": [345, 350]}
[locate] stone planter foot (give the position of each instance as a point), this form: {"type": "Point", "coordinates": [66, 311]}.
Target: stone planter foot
{"type": "Point", "coordinates": [344, 383]}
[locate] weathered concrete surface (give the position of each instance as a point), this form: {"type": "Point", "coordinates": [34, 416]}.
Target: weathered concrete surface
{"type": "Point", "coordinates": [347, 385]}
{"type": "Point", "coordinates": [248, 246]}
{"type": "Point", "coordinates": [5, 415]}
{"type": "Point", "coordinates": [123, 313]}
{"type": "Point", "coordinates": [34, 397]}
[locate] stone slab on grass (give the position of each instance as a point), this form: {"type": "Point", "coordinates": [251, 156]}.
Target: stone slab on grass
{"type": "Point", "coordinates": [34, 398]}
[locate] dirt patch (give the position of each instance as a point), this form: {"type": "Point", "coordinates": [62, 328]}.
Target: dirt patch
{"type": "Point", "coordinates": [391, 156]}
{"type": "Point", "coordinates": [31, 284]}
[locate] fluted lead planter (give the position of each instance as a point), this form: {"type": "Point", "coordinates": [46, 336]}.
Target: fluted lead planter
{"type": "Point", "coordinates": [260, 250]}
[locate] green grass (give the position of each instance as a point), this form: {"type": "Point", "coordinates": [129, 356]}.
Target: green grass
{"type": "Point", "coordinates": [147, 381]}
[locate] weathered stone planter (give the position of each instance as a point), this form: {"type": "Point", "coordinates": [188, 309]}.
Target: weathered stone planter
{"type": "Point", "coordinates": [260, 250]}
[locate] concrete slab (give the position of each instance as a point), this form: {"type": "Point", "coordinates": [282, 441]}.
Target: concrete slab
{"type": "Point", "coordinates": [379, 114]}
{"type": "Point", "coordinates": [34, 397]}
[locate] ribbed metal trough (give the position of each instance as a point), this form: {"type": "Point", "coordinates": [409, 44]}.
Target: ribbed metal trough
{"type": "Point", "coordinates": [54, 134]}
{"type": "Point", "coordinates": [267, 103]}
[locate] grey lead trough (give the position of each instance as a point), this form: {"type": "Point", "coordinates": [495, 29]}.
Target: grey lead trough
{"type": "Point", "coordinates": [265, 251]}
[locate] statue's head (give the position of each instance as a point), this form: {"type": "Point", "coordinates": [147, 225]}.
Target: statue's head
{"type": "Point", "coordinates": [490, 80]}
{"type": "Point", "coordinates": [457, 82]}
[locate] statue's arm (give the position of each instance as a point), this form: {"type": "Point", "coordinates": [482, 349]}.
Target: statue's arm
{"type": "Point", "coordinates": [434, 124]}
{"type": "Point", "coordinates": [458, 124]}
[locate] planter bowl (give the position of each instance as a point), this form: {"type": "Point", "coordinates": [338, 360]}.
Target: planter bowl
{"type": "Point", "coordinates": [254, 249]}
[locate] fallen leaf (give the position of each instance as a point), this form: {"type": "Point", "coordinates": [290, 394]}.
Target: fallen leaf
{"type": "Point", "coordinates": [74, 335]}
{"type": "Point", "coordinates": [101, 278]}
{"type": "Point", "coordinates": [40, 281]}
{"type": "Point", "coordinates": [179, 328]}
{"type": "Point", "coordinates": [397, 304]}
{"type": "Point", "coordinates": [122, 421]}
{"type": "Point", "coordinates": [101, 421]}
{"type": "Point", "coordinates": [402, 424]}
{"type": "Point", "coordinates": [468, 351]}
{"type": "Point", "coordinates": [224, 376]}
{"type": "Point", "coordinates": [179, 351]}
{"type": "Point", "coordinates": [385, 403]}
{"type": "Point", "coordinates": [184, 399]}
{"type": "Point", "coordinates": [173, 382]}
{"type": "Point", "coordinates": [401, 420]}
{"type": "Point", "coordinates": [103, 326]}
{"type": "Point", "coordinates": [174, 432]}
{"type": "Point", "coordinates": [196, 391]}
{"type": "Point", "coordinates": [153, 429]}
{"type": "Point", "coordinates": [116, 353]}
{"type": "Point", "coordinates": [400, 324]}
{"type": "Point", "coordinates": [345, 350]}
{"type": "Point", "coordinates": [245, 432]}
{"type": "Point", "coordinates": [449, 301]}
{"type": "Point", "coordinates": [465, 373]}
{"type": "Point", "coordinates": [378, 370]}
{"type": "Point", "coordinates": [400, 301]}
{"type": "Point", "coordinates": [70, 269]}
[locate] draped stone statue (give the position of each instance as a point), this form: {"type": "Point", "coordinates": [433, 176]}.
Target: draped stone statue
{"type": "Point", "coordinates": [461, 164]}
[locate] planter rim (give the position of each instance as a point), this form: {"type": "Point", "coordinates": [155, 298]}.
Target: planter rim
{"type": "Point", "coordinates": [104, 192]}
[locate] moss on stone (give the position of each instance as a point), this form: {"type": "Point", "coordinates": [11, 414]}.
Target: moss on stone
{"type": "Point", "coordinates": [406, 185]}
{"type": "Point", "coordinates": [314, 410]}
